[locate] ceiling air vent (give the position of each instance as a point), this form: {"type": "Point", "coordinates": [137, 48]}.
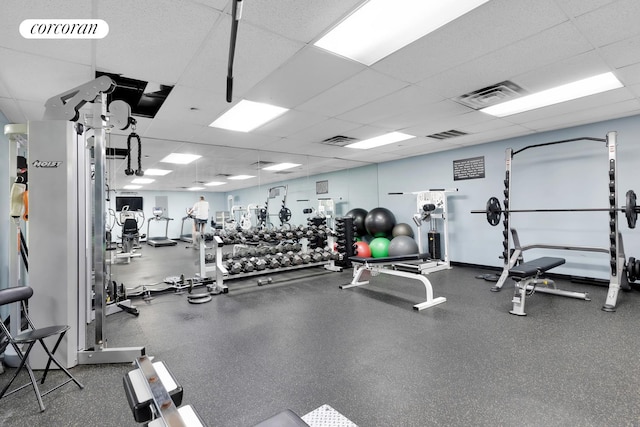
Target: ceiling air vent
{"type": "Point", "coordinates": [491, 95]}
{"type": "Point", "coordinates": [338, 141]}
{"type": "Point", "coordinates": [446, 135]}
{"type": "Point", "coordinates": [225, 175]}
{"type": "Point", "coordinates": [283, 172]}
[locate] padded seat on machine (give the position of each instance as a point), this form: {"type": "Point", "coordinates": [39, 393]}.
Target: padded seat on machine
{"type": "Point", "coordinates": [286, 418]}
{"type": "Point", "coordinates": [535, 267]}
{"type": "Point", "coordinates": [28, 338]}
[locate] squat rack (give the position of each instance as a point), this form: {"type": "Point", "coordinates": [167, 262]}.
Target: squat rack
{"type": "Point", "coordinates": [512, 256]}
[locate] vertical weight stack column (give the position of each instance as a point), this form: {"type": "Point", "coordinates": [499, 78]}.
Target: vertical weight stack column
{"type": "Point", "coordinates": [506, 253]}
{"type": "Point", "coordinates": [616, 252]}
{"type": "Point", "coordinates": [345, 230]}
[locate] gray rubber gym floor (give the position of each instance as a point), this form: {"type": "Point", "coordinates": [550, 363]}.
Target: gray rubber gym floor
{"type": "Point", "coordinates": [303, 343]}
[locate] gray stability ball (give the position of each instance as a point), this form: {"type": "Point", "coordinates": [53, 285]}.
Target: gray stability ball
{"type": "Point", "coordinates": [403, 245]}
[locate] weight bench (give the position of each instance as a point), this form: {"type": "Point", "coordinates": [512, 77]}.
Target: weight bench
{"type": "Point", "coordinates": [527, 277]}
{"type": "Point", "coordinates": [385, 265]}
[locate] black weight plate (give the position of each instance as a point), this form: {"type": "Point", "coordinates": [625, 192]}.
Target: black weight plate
{"type": "Point", "coordinates": [630, 209]}
{"type": "Point", "coordinates": [631, 269]}
{"type": "Point", "coordinates": [494, 211]}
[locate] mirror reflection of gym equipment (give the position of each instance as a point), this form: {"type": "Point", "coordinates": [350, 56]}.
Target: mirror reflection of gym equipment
{"type": "Point", "coordinates": [164, 240]}
{"type": "Point", "coordinates": [187, 236]}
{"type": "Point", "coordinates": [130, 222]}
{"type": "Point", "coordinates": [275, 209]}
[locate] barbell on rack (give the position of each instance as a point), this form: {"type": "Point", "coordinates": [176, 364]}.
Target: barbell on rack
{"type": "Point", "coordinates": [494, 210]}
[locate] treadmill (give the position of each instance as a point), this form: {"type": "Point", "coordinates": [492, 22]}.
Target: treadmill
{"type": "Point", "coordinates": [160, 240]}
{"type": "Point", "coordinates": [186, 237]}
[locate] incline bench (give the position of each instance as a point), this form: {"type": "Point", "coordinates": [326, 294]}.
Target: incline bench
{"type": "Point", "coordinates": [527, 277]}
{"type": "Point", "coordinates": [385, 266]}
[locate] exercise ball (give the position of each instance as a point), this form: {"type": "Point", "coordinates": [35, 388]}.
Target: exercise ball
{"type": "Point", "coordinates": [362, 250]}
{"type": "Point", "coordinates": [379, 247]}
{"type": "Point", "coordinates": [358, 215]}
{"type": "Point", "coordinates": [379, 222]}
{"type": "Point", "coordinates": [367, 238]}
{"type": "Point", "coordinates": [402, 229]}
{"type": "Point", "coordinates": [403, 245]}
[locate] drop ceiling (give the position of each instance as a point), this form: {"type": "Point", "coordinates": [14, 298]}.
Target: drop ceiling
{"type": "Point", "coordinates": [185, 44]}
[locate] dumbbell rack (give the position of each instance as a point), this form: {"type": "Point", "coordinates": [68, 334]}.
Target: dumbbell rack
{"type": "Point", "coordinates": [222, 273]}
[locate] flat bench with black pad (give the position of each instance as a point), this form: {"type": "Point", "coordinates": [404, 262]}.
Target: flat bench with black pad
{"type": "Point", "coordinates": [527, 276]}
{"type": "Point", "coordinates": [379, 266]}
{"type": "Point", "coordinates": [535, 267]}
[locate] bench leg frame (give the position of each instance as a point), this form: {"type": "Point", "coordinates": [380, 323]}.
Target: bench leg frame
{"type": "Point", "coordinates": [374, 270]}
{"type": "Point", "coordinates": [528, 285]}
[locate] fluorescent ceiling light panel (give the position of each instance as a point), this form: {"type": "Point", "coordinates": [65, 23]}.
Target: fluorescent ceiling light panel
{"type": "Point", "coordinates": [378, 141]}
{"type": "Point", "coordinates": [157, 172]}
{"type": "Point", "coordinates": [142, 181]}
{"type": "Point", "coordinates": [132, 187]}
{"type": "Point", "coordinates": [195, 188]}
{"type": "Point", "coordinates": [281, 166]}
{"type": "Point", "coordinates": [556, 95]}
{"type": "Point", "coordinates": [241, 177]}
{"type": "Point", "coordinates": [245, 116]}
{"type": "Point", "coordinates": [181, 159]}
{"type": "Point", "coordinates": [214, 183]}
{"type": "Point", "coordinates": [380, 27]}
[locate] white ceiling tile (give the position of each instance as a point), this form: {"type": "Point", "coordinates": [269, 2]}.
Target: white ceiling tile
{"type": "Point", "coordinates": [290, 123]}
{"type": "Point", "coordinates": [575, 8]}
{"type": "Point", "coordinates": [497, 134]}
{"type": "Point", "coordinates": [297, 20]}
{"type": "Point", "coordinates": [298, 146]}
{"type": "Point", "coordinates": [611, 23]}
{"type": "Point", "coordinates": [422, 115]}
{"type": "Point", "coordinates": [23, 74]}
{"type": "Point", "coordinates": [216, 4]}
{"type": "Point", "coordinates": [591, 115]}
{"type": "Point", "coordinates": [470, 36]}
{"type": "Point", "coordinates": [12, 111]}
{"type": "Point", "coordinates": [629, 76]}
{"type": "Point", "coordinates": [310, 72]}
{"type": "Point", "coordinates": [155, 40]}
{"type": "Point", "coordinates": [491, 123]}
{"type": "Point", "coordinates": [257, 54]}
{"type": "Point", "coordinates": [353, 92]}
{"type": "Point", "coordinates": [191, 105]}
{"type": "Point", "coordinates": [594, 101]}
{"type": "Point", "coordinates": [172, 129]}
{"type": "Point", "coordinates": [325, 129]}
{"type": "Point", "coordinates": [565, 71]}
{"type": "Point", "coordinates": [15, 11]}
{"type": "Point", "coordinates": [213, 136]}
{"type": "Point", "coordinates": [407, 99]}
{"type": "Point", "coordinates": [523, 56]}
{"type": "Point", "coordinates": [461, 122]}
{"type": "Point", "coordinates": [623, 53]}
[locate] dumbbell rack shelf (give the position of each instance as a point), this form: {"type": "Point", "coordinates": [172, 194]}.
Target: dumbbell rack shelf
{"type": "Point", "coordinates": [221, 273]}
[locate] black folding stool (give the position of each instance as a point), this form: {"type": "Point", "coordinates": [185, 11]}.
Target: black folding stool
{"type": "Point", "coordinates": [29, 338]}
